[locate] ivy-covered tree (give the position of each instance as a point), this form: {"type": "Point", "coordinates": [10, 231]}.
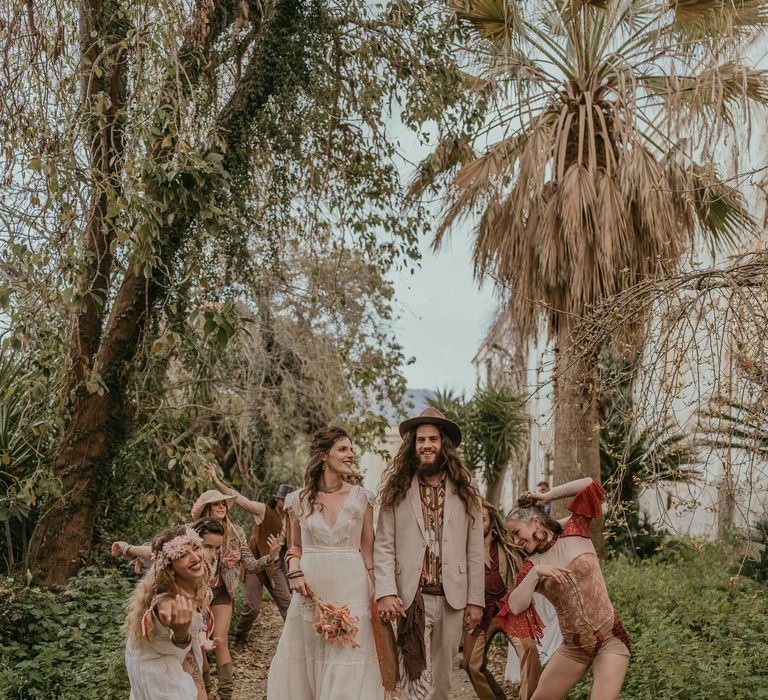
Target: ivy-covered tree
{"type": "Point", "coordinates": [164, 159]}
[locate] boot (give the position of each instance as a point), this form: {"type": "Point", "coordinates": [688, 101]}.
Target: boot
{"type": "Point", "coordinates": [226, 682]}
{"type": "Point", "coordinates": [207, 680]}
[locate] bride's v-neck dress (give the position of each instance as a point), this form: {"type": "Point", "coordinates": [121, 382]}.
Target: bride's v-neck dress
{"type": "Point", "coordinates": [305, 666]}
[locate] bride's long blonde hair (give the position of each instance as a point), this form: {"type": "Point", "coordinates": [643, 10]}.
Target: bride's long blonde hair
{"type": "Point", "coordinates": [158, 580]}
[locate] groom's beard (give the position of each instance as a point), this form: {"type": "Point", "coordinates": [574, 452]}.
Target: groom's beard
{"type": "Point", "coordinates": [432, 468]}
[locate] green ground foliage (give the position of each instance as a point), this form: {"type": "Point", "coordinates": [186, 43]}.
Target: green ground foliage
{"type": "Point", "coordinates": [698, 630]}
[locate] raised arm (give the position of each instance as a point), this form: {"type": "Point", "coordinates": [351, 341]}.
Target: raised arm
{"type": "Point", "coordinates": [251, 563]}
{"type": "Point", "coordinates": [568, 490]}
{"type": "Point", "coordinates": [255, 507]}
{"type": "Point", "coordinates": [563, 491]}
{"type": "Point", "coordinates": [131, 551]}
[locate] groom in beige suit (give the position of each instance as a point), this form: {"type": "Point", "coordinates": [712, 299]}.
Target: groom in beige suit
{"type": "Point", "coordinates": [428, 552]}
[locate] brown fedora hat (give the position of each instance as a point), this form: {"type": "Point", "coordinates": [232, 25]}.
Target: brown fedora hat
{"type": "Point", "coordinates": [431, 416]}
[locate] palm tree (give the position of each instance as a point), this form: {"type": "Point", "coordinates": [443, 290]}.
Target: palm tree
{"type": "Point", "coordinates": [600, 170]}
{"type": "Point", "coordinates": [494, 424]}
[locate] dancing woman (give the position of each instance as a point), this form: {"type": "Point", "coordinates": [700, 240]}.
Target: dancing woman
{"type": "Point", "coordinates": [234, 551]}
{"type": "Point", "coordinates": [162, 654]}
{"type": "Point", "coordinates": [562, 565]}
{"type": "Point", "coordinates": [502, 565]}
{"type": "Point", "coordinates": [330, 555]}
{"type": "Point", "coordinates": [211, 531]}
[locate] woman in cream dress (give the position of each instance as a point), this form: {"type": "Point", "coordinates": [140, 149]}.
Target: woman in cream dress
{"type": "Point", "coordinates": [331, 556]}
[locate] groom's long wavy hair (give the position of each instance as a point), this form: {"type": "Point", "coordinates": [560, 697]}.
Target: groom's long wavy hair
{"type": "Point", "coordinates": [398, 476]}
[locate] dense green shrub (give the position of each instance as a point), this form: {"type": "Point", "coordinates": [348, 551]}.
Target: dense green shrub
{"type": "Point", "coordinates": [64, 645]}
{"type": "Point", "coordinates": [698, 633]}
{"type": "Point", "coordinates": [756, 565]}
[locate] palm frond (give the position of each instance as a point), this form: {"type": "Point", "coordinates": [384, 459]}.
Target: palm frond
{"type": "Point", "coordinates": [715, 91]}
{"type": "Point", "coordinates": [715, 19]}
{"type": "Point", "coordinates": [733, 424]}
{"type": "Point", "coordinates": [478, 177]}
{"type": "Point", "coordinates": [450, 152]}
{"type": "Point", "coordinates": [493, 20]}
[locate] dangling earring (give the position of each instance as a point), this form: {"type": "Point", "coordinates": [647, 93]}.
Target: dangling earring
{"type": "Point", "coordinates": [540, 535]}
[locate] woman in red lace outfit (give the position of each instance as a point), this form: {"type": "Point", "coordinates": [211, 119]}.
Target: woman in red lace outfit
{"type": "Point", "coordinates": [562, 565]}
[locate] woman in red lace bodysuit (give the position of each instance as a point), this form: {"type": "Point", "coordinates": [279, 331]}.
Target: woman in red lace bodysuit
{"type": "Point", "coordinates": [562, 565]}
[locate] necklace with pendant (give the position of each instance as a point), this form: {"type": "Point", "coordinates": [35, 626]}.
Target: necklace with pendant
{"type": "Point", "coordinates": [330, 489]}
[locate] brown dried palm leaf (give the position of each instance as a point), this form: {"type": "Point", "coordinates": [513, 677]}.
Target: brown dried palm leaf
{"type": "Point", "coordinates": [716, 89]}
{"type": "Point", "coordinates": [448, 153]}
{"type": "Point", "coordinates": [708, 19]}
{"type": "Point", "coordinates": [493, 20]}
{"type": "Point", "coordinates": [613, 234]}
{"type": "Point", "coordinates": [645, 188]}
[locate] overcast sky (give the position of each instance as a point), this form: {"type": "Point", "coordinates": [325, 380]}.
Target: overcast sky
{"type": "Point", "coordinates": [444, 316]}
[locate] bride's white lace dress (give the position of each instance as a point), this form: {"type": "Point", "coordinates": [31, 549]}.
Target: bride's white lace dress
{"type": "Point", "coordinates": [305, 666]}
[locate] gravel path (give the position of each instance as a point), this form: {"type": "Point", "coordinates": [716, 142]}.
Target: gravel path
{"type": "Point", "coordinates": [252, 662]}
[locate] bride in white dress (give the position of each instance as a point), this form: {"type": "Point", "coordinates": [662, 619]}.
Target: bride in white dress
{"type": "Point", "coordinates": [331, 528]}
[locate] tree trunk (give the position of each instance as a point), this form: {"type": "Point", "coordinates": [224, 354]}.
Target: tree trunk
{"type": "Point", "coordinates": [577, 438]}
{"type": "Point", "coordinates": [95, 426]}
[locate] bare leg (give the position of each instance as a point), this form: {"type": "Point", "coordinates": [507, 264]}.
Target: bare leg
{"type": "Point", "coordinates": [558, 677]}
{"type": "Point", "coordinates": [609, 671]}
{"type": "Point", "coordinates": [222, 616]}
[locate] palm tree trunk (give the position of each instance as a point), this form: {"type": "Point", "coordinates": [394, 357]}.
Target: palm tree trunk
{"type": "Point", "coordinates": [577, 439]}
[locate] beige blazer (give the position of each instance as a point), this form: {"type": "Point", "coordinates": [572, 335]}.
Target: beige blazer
{"type": "Point", "coordinates": [398, 550]}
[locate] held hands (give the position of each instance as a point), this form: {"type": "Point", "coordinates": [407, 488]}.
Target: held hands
{"type": "Point", "coordinates": [390, 607]}
{"type": "Point", "coordinates": [556, 573]}
{"type": "Point", "coordinates": [472, 616]}
{"type": "Point", "coordinates": [178, 618]}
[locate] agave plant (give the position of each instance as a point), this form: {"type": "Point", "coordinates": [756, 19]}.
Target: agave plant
{"type": "Point", "coordinates": [597, 167]}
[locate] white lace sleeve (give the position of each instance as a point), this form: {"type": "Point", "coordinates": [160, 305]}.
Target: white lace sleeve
{"type": "Point", "coordinates": [370, 496]}
{"type": "Point", "coordinates": [292, 503]}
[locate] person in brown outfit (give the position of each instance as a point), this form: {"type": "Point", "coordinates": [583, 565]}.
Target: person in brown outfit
{"type": "Point", "coordinates": [267, 520]}
{"type": "Point", "coordinates": [502, 564]}
{"type": "Point", "coordinates": [273, 577]}
{"type": "Point", "coordinates": [563, 566]}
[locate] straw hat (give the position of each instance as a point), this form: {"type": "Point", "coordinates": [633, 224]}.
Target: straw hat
{"type": "Point", "coordinates": [431, 416]}
{"type": "Point", "coordinates": [210, 496]}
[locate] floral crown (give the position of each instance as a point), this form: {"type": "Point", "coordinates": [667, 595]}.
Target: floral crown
{"type": "Point", "coordinates": [176, 548]}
